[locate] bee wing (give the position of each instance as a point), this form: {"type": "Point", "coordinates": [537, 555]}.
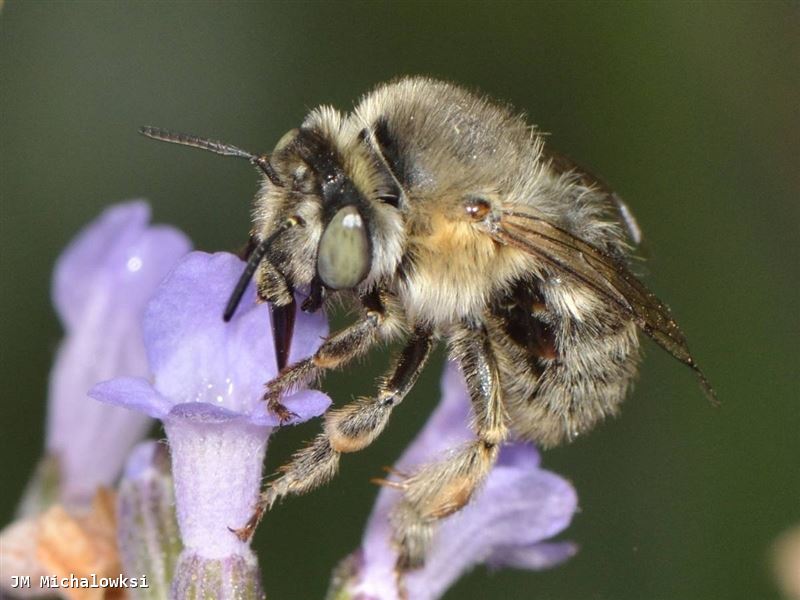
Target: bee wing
{"type": "Point", "coordinates": [610, 278]}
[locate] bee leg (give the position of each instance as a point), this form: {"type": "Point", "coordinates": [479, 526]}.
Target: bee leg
{"type": "Point", "coordinates": [273, 287]}
{"type": "Point", "coordinates": [336, 351]}
{"type": "Point", "coordinates": [317, 461]}
{"type": "Point", "coordinates": [347, 429]}
{"type": "Point", "coordinates": [435, 491]}
{"type": "Point", "coordinates": [356, 425]}
{"type": "Point", "coordinates": [439, 489]}
{"type": "Point", "coordinates": [471, 347]}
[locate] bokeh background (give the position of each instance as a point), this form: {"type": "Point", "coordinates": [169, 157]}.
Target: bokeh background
{"type": "Point", "coordinates": [689, 109]}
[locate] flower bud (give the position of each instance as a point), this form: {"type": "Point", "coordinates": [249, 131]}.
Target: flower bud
{"type": "Point", "coordinates": [147, 535]}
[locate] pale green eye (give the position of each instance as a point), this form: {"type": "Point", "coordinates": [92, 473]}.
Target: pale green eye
{"type": "Point", "coordinates": [343, 257]}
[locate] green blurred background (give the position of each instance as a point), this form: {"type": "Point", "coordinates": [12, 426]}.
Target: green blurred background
{"type": "Point", "coordinates": [690, 110]}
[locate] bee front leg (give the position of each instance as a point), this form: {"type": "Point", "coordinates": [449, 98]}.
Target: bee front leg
{"type": "Point", "coordinates": [348, 429]}
{"type": "Point", "coordinates": [440, 489]}
{"type": "Point", "coordinates": [336, 351]}
{"type": "Point", "coordinates": [318, 462]}
{"type": "Point", "coordinates": [355, 426]}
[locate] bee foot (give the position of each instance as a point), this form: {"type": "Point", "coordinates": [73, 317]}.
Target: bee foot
{"type": "Point", "coordinates": [276, 407]}
{"type": "Point", "coordinates": [246, 533]}
{"type": "Point", "coordinates": [284, 414]}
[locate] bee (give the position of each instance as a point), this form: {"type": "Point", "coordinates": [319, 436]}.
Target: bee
{"type": "Point", "coordinates": [445, 217]}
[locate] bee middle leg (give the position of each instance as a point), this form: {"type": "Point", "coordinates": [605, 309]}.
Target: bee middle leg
{"type": "Point", "coordinates": [440, 489]}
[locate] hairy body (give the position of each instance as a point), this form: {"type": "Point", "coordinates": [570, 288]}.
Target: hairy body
{"type": "Point", "coordinates": [565, 358]}
{"type": "Point", "coordinates": [445, 217]}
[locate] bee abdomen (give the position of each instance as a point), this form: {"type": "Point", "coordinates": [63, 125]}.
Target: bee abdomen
{"type": "Point", "coordinates": [561, 376]}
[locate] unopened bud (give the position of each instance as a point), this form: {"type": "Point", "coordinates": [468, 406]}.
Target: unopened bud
{"type": "Point", "coordinates": [148, 536]}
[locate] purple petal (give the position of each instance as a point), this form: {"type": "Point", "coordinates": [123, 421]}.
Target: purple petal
{"type": "Point", "coordinates": [101, 284]}
{"type": "Point", "coordinates": [196, 356]}
{"type": "Point", "coordinates": [81, 265]}
{"type": "Point", "coordinates": [519, 506]}
{"type": "Point", "coordinates": [134, 393]}
{"type": "Point", "coordinates": [534, 557]}
{"type": "Point", "coordinates": [117, 253]}
{"type": "Point", "coordinates": [193, 353]}
{"type": "Point", "coordinates": [516, 508]}
{"type": "Point", "coordinates": [519, 455]}
{"type": "Point", "coordinates": [310, 329]}
{"type": "Point", "coordinates": [306, 405]}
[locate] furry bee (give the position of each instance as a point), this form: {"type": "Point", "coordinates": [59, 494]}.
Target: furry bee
{"type": "Point", "coordinates": [444, 216]}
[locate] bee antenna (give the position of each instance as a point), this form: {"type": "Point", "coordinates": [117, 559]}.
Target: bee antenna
{"type": "Point", "coordinates": [185, 139]}
{"type": "Point", "coordinates": [244, 279]}
{"type": "Point", "coordinates": [255, 258]}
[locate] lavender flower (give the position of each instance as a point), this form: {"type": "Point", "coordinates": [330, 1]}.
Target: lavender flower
{"type": "Point", "coordinates": [208, 380]}
{"type": "Point", "coordinates": [519, 506]}
{"type": "Point", "coordinates": [101, 284]}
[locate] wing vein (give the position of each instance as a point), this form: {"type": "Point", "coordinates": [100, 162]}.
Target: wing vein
{"type": "Point", "coordinates": [606, 275]}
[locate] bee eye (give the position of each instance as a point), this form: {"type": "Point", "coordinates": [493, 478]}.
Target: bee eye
{"type": "Point", "coordinates": [343, 256]}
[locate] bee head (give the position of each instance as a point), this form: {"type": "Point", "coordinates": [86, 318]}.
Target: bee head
{"type": "Point", "coordinates": [317, 223]}
{"type": "Point", "coordinates": [341, 211]}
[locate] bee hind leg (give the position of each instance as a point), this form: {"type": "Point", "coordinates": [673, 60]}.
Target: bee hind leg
{"type": "Point", "coordinates": [434, 492]}
{"type": "Point", "coordinates": [440, 489]}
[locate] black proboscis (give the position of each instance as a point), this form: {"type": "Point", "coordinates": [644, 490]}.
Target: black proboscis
{"type": "Point", "coordinates": [283, 318]}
